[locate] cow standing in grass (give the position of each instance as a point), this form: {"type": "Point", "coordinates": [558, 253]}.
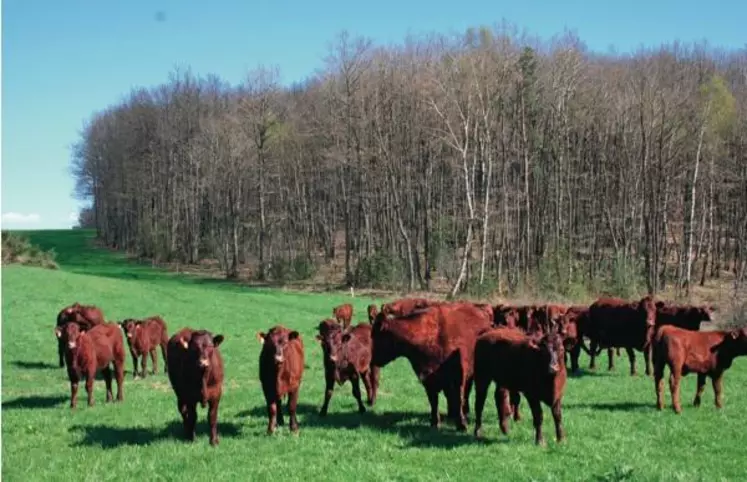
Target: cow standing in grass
{"type": "Point", "coordinates": [143, 337]}
{"type": "Point", "coordinates": [343, 314]}
{"type": "Point", "coordinates": [88, 351]}
{"type": "Point", "coordinates": [86, 316]}
{"type": "Point", "coordinates": [281, 364]}
{"type": "Point", "coordinates": [707, 353]}
{"type": "Point", "coordinates": [196, 376]}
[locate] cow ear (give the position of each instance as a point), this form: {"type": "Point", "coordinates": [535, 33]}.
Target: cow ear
{"type": "Point", "coordinates": [261, 337]}
{"type": "Point", "coordinates": [293, 335]}
{"type": "Point", "coordinates": [217, 340]}
{"type": "Point", "coordinates": [57, 332]}
{"type": "Point", "coordinates": [183, 342]}
{"type": "Point", "coordinates": [318, 338]}
{"type": "Point", "coordinates": [137, 326]}
{"type": "Point", "coordinates": [734, 334]}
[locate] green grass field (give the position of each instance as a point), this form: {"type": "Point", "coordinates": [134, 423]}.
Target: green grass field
{"type": "Point", "coordinates": [614, 431]}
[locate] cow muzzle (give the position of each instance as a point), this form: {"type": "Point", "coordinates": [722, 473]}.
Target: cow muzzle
{"type": "Point", "coordinates": [204, 362]}
{"type": "Point", "coordinates": [333, 358]}
{"type": "Point", "coordinates": [129, 335]}
{"type": "Point", "coordinates": [279, 358]}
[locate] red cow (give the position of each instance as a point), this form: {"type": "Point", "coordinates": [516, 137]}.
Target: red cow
{"type": "Point", "coordinates": [405, 306]}
{"type": "Point", "coordinates": [343, 314]}
{"type": "Point", "coordinates": [85, 316]}
{"type": "Point", "coordinates": [439, 344]}
{"type": "Point", "coordinates": [196, 375]}
{"type": "Point", "coordinates": [707, 353]}
{"type": "Point", "coordinates": [520, 363]}
{"type": "Point", "coordinates": [614, 322]}
{"type": "Point", "coordinates": [522, 317]}
{"type": "Point", "coordinates": [143, 337]}
{"type": "Point", "coordinates": [347, 356]}
{"type": "Point", "coordinates": [281, 364]}
{"type": "Point", "coordinates": [88, 351]}
{"type": "Point", "coordinates": [683, 316]}
{"type": "Point", "coordinates": [373, 310]}
{"type": "Point", "coordinates": [549, 315]}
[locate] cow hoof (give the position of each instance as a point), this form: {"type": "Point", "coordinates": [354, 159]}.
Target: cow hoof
{"type": "Point", "coordinates": [478, 433]}
{"type": "Point", "coordinates": [214, 441]}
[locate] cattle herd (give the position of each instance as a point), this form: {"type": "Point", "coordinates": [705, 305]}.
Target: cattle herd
{"type": "Point", "coordinates": [450, 346]}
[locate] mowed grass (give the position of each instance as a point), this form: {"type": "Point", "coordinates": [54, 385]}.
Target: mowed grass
{"type": "Point", "coordinates": [614, 431]}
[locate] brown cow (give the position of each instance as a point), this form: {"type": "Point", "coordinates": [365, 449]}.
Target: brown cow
{"type": "Point", "coordinates": [281, 364]}
{"type": "Point", "coordinates": [614, 322]}
{"type": "Point", "coordinates": [90, 350]}
{"type": "Point", "coordinates": [683, 316]}
{"type": "Point", "coordinates": [405, 306]}
{"type": "Point", "coordinates": [439, 344]}
{"type": "Point", "coordinates": [520, 363]}
{"type": "Point", "coordinates": [143, 337]}
{"type": "Point", "coordinates": [707, 353]}
{"type": "Point", "coordinates": [373, 310]}
{"type": "Point", "coordinates": [86, 317]}
{"type": "Point", "coordinates": [523, 317]}
{"type": "Point", "coordinates": [549, 316]}
{"type": "Point", "coordinates": [343, 314]}
{"type": "Point", "coordinates": [196, 375]}
{"type": "Point", "coordinates": [347, 356]}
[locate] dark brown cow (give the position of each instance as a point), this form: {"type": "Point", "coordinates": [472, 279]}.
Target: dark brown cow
{"type": "Point", "coordinates": [86, 316]}
{"type": "Point", "coordinates": [196, 375]}
{"type": "Point", "coordinates": [281, 364]}
{"type": "Point", "coordinates": [520, 363]}
{"type": "Point", "coordinates": [439, 344]}
{"type": "Point", "coordinates": [90, 350]}
{"type": "Point", "coordinates": [683, 316]}
{"type": "Point", "coordinates": [549, 316]}
{"type": "Point", "coordinates": [143, 337]}
{"type": "Point", "coordinates": [405, 306]}
{"type": "Point", "coordinates": [614, 322]}
{"type": "Point", "coordinates": [343, 314]}
{"type": "Point", "coordinates": [373, 310]}
{"type": "Point", "coordinates": [707, 353]}
{"type": "Point", "coordinates": [347, 356]}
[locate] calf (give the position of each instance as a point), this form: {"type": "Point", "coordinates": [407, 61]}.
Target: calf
{"type": "Point", "coordinates": [683, 316]}
{"type": "Point", "coordinates": [90, 350]}
{"type": "Point", "coordinates": [143, 337]}
{"type": "Point", "coordinates": [373, 310]}
{"type": "Point", "coordinates": [281, 363]}
{"type": "Point", "coordinates": [439, 344]}
{"type": "Point", "coordinates": [614, 322]}
{"type": "Point", "coordinates": [347, 356]}
{"type": "Point", "coordinates": [520, 363]}
{"type": "Point", "coordinates": [707, 353]}
{"type": "Point", "coordinates": [343, 314]}
{"type": "Point", "coordinates": [196, 375]}
{"type": "Point", "coordinates": [85, 316]}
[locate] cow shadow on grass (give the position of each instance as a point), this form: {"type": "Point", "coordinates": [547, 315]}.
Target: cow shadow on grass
{"type": "Point", "coordinates": [585, 372]}
{"type": "Point", "coordinates": [412, 427]}
{"type": "Point", "coordinates": [35, 402]}
{"type": "Point", "coordinates": [110, 437]}
{"type": "Point", "coordinates": [34, 365]}
{"type": "Point", "coordinates": [616, 406]}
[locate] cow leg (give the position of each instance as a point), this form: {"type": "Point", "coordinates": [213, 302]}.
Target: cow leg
{"type": "Point", "coordinates": [557, 415]}
{"type": "Point", "coordinates": [119, 377]}
{"type": "Point", "coordinates": [356, 383]}
{"type": "Point", "coordinates": [375, 374]}
{"type": "Point", "coordinates": [457, 397]}
{"type": "Point", "coordinates": [515, 401]}
{"type": "Point", "coordinates": [330, 381]}
{"type": "Point", "coordinates": [154, 359]}
{"type": "Point", "coordinates": [534, 404]}
{"type": "Point", "coordinates": [504, 409]}
{"type": "Point", "coordinates": [134, 364]}
{"type": "Point", "coordinates": [90, 377]}
{"type": "Point", "coordinates": [659, 383]}
{"type": "Point", "coordinates": [272, 412]}
{"type": "Point", "coordinates": [280, 418]}
{"type": "Point", "coordinates": [292, 404]}
{"type": "Point", "coordinates": [73, 392]}
{"type": "Point", "coordinates": [144, 363]}
{"type": "Point", "coordinates": [467, 392]}
{"type": "Point", "coordinates": [61, 352]}
{"type": "Point", "coordinates": [107, 372]}
{"type": "Point", "coordinates": [165, 358]}
{"type": "Point", "coordinates": [481, 393]}
{"type": "Point", "coordinates": [191, 421]}
{"type": "Point", "coordinates": [575, 353]}
{"type": "Point", "coordinates": [674, 386]}
{"type": "Point", "coordinates": [611, 358]}
{"type": "Point", "coordinates": [213, 420]}
{"type": "Point", "coordinates": [718, 389]}
{"type": "Point", "coordinates": [367, 384]}
{"type": "Point", "coordinates": [699, 390]}
{"type": "Point", "coordinates": [432, 393]}
{"type": "Point", "coordinates": [593, 346]}
{"type": "Point", "coordinates": [631, 358]}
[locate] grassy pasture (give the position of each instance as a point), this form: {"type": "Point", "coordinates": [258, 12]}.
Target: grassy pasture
{"type": "Point", "coordinates": [614, 431]}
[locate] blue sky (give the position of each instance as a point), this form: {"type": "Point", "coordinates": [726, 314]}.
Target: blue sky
{"type": "Point", "coordinates": [64, 59]}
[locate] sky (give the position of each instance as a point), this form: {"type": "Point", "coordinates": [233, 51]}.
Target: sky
{"type": "Point", "coordinates": [64, 60]}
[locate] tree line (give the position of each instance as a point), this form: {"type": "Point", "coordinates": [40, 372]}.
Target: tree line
{"type": "Point", "coordinates": [486, 160]}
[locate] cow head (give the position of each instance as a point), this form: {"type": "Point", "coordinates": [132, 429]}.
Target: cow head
{"type": "Point", "coordinates": [384, 340]}
{"type": "Point", "coordinates": [551, 348]}
{"type": "Point", "coordinates": [201, 347]}
{"type": "Point", "coordinates": [372, 312]}
{"type": "Point", "coordinates": [130, 327]}
{"type": "Point", "coordinates": [735, 342]}
{"type": "Point", "coordinates": [276, 341]}
{"type": "Point", "coordinates": [330, 337]}
{"type": "Point", "coordinates": [568, 329]}
{"type": "Point", "coordinates": [701, 313]}
{"type": "Point", "coordinates": [647, 308]}
{"type": "Point", "coordinates": [69, 334]}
